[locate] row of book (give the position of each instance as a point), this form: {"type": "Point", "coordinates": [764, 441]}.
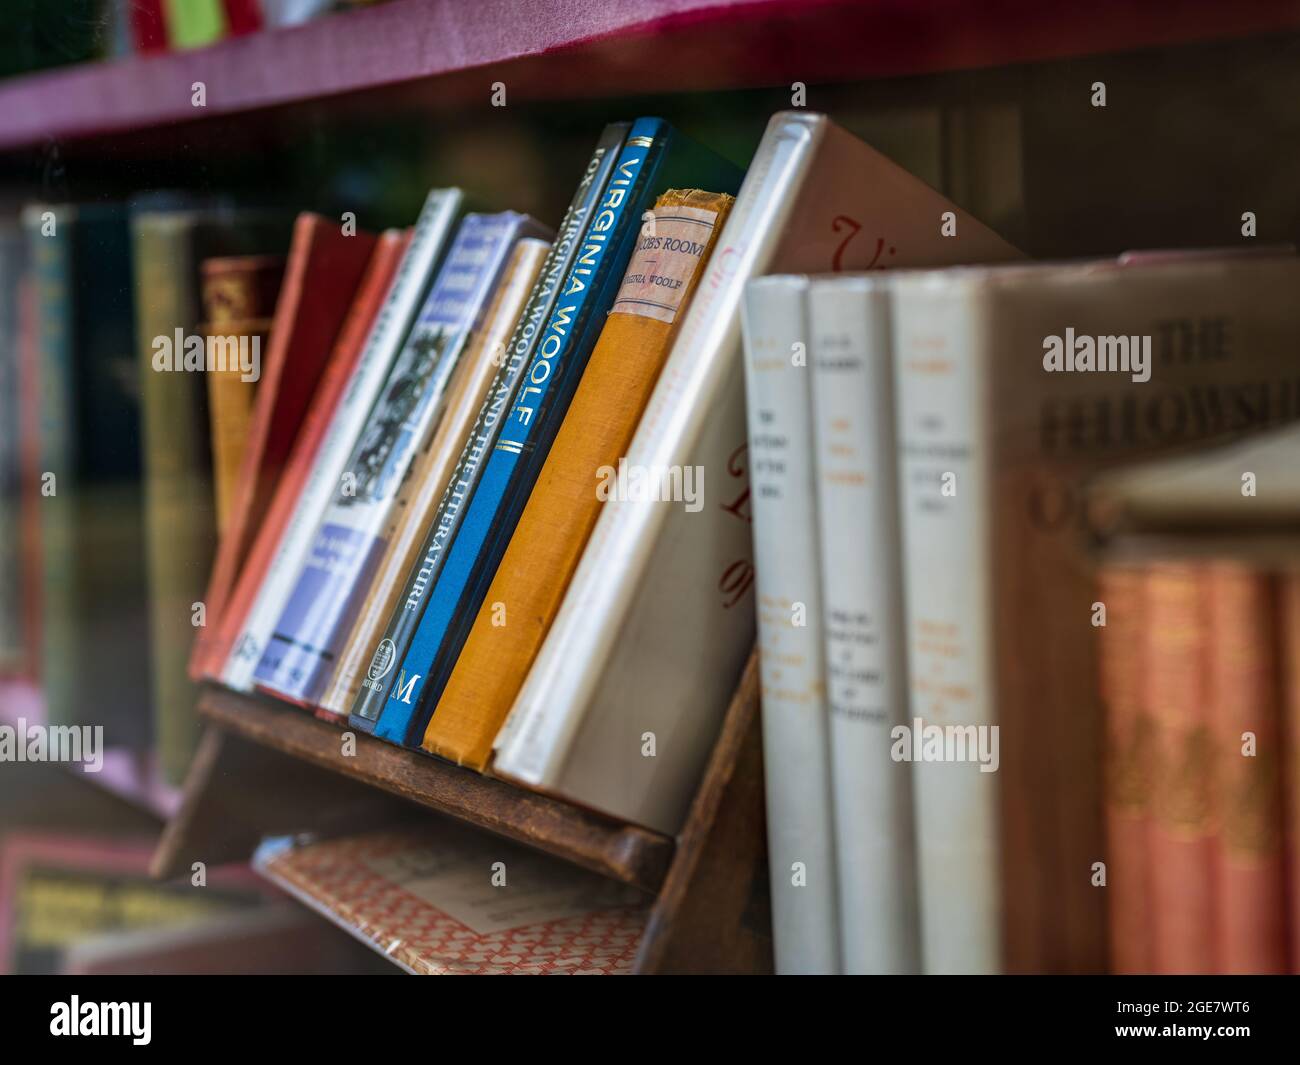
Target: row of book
{"type": "Point", "coordinates": [59, 32]}
{"type": "Point", "coordinates": [923, 446]}
{"type": "Point", "coordinates": [444, 519]}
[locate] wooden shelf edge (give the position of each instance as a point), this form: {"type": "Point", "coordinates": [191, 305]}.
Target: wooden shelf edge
{"type": "Point", "coordinates": [621, 851]}
{"type": "Point", "coordinates": [584, 48]}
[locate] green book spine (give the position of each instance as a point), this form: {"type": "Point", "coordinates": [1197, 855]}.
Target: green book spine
{"type": "Point", "coordinates": [179, 514]}
{"type": "Point", "coordinates": [194, 23]}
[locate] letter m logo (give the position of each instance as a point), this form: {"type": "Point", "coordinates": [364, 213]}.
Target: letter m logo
{"type": "Point", "coordinates": [404, 689]}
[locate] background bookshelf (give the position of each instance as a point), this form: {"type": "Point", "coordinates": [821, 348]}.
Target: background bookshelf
{"type": "Point", "coordinates": [366, 110]}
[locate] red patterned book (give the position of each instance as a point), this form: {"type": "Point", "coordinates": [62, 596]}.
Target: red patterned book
{"type": "Point", "coordinates": [1128, 766]}
{"type": "Point", "coordinates": [448, 900]}
{"type": "Point", "coordinates": [1182, 831]}
{"type": "Point", "coordinates": [1249, 887]}
{"type": "Point", "coordinates": [1289, 613]}
{"type": "Point", "coordinates": [324, 269]}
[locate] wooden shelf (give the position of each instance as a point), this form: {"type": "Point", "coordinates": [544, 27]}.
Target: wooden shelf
{"type": "Point", "coordinates": [615, 849]}
{"type": "Point", "coordinates": [447, 53]}
{"type": "Point", "coordinates": [266, 769]}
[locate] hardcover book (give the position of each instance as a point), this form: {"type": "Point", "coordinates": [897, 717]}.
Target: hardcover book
{"type": "Point", "coordinates": [335, 575]}
{"type": "Point", "coordinates": [655, 157]}
{"type": "Point", "coordinates": [180, 521]}
{"type": "Point", "coordinates": [431, 901]}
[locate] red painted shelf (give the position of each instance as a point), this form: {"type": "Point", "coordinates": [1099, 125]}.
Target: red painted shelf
{"type": "Point", "coordinates": [440, 53]}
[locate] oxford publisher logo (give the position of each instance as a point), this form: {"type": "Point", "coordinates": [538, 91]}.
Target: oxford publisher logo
{"type": "Point", "coordinates": [83, 744]}
{"type": "Point", "coordinates": [920, 742]}
{"type": "Point", "coordinates": [381, 663]}
{"type": "Point", "coordinates": [133, 1019]}
{"type": "Point", "coordinates": [1087, 354]}
{"type": "Point", "coordinates": [652, 484]}
{"type": "Point", "coordinates": [192, 353]}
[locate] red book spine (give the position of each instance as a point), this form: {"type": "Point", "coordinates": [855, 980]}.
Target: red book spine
{"type": "Point", "coordinates": [1128, 766]}
{"type": "Point", "coordinates": [210, 654]}
{"type": "Point", "coordinates": [1289, 613]}
{"type": "Point", "coordinates": [243, 16]}
{"type": "Point", "coordinates": [320, 280]}
{"type": "Point", "coordinates": [148, 26]}
{"type": "Point", "coordinates": [1250, 889]}
{"type": "Point", "coordinates": [1181, 900]}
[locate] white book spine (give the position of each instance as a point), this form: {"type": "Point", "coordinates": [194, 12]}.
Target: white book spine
{"type": "Point", "coordinates": [695, 416]}
{"type": "Point", "coordinates": [796, 757]}
{"type": "Point", "coordinates": [432, 231]}
{"type": "Point", "coordinates": [941, 383]}
{"type": "Point", "coordinates": [862, 621]}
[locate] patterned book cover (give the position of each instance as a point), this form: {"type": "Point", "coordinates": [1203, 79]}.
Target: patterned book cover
{"type": "Point", "coordinates": [348, 545]}
{"type": "Point", "coordinates": [653, 155]}
{"type": "Point", "coordinates": [451, 901]}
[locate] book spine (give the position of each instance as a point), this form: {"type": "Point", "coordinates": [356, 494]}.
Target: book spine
{"type": "Point", "coordinates": [235, 591]}
{"type": "Point", "coordinates": [1122, 667]}
{"type": "Point", "coordinates": [180, 524]}
{"type": "Point", "coordinates": [862, 611]}
{"type": "Point", "coordinates": [12, 635]}
{"type": "Point", "coordinates": [1289, 650]}
{"type": "Point", "coordinates": [382, 344]}
{"type": "Point", "coordinates": [1250, 923]}
{"type": "Point", "coordinates": [1182, 838]}
{"type": "Point", "coordinates": [696, 417]}
{"type": "Point", "coordinates": [391, 649]}
{"type": "Point", "coordinates": [554, 526]}
{"type": "Point", "coordinates": [426, 481]}
{"type": "Point", "coordinates": [526, 434]}
{"type": "Point", "coordinates": [194, 23]}
{"type": "Point", "coordinates": [800, 828]}
{"type": "Point", "coordinates": [945, 484]}
{"type": "Point", "coordinates": [50, 253]}
{"type": "Point", "coordinates": [348, 544]}
{"type": "Point", "coordinates": [148, 26]}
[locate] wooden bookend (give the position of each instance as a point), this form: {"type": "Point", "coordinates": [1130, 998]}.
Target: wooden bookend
{"type": "Point", "coordinates": [264, 769]}
{"type": "Point", "coordinates": [713, 913]}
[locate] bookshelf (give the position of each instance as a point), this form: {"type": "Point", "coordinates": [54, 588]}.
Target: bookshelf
{"type": "Point", "coordinates": [443, 54]}
{"type": "Point", "coordinates": [264, 767]}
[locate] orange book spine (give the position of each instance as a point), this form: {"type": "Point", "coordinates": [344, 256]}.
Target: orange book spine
{"type": "Point", "coordinates": [1122, 664]}
{"type": "Point", "coordinates": [1289, 616]}
{"type": "Point", "coordinates": [565, 502]}
{"type": "Point", "coordinates": [1250, 890]}
{"type": "Point", "coordinates": [215, 641]}
{"type": "Point", "coordinates": [1181, 898]}
{"type": "Point", "coordinates": [426, 480]}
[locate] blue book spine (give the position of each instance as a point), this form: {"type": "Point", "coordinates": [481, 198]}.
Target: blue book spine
{"type": "Point", "coordinates": [547, 387]}
{"type": "Point", "coordinates": [348, 544]}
